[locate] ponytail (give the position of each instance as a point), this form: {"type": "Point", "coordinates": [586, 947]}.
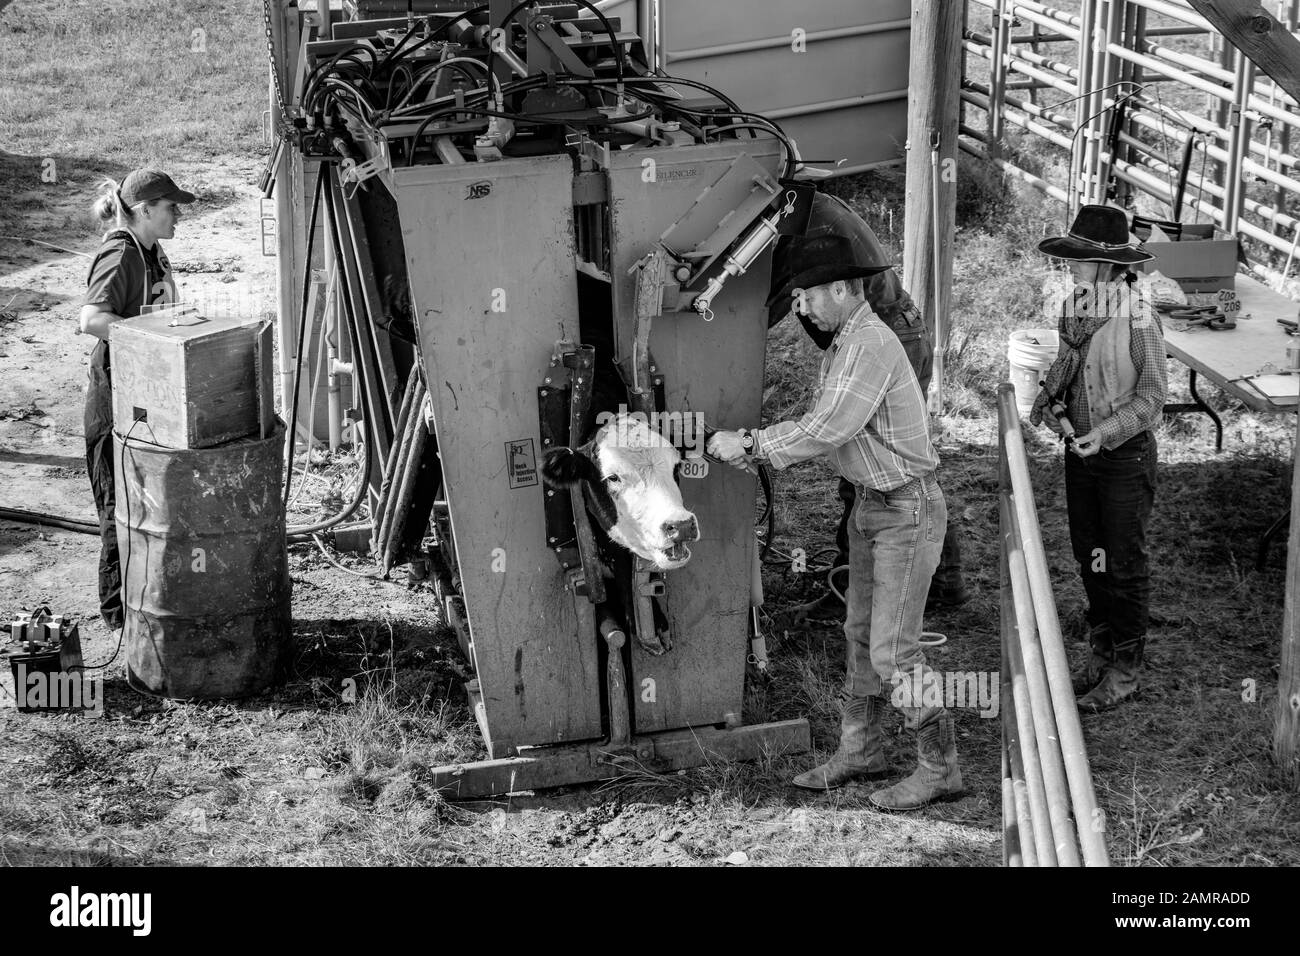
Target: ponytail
{"type": "Point", "coordinates": [109, 205]}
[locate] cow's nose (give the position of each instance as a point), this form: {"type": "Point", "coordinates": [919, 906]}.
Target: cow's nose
{"type": "Point", "coordinates": [684, 530]}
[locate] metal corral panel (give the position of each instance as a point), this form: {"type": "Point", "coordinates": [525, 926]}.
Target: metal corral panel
{"type": "Point", "coordinates": [844, 97]}
{"type": "Point", "coordinates": [715, 368]}
{"type": "Point", "coordinates": [491, 270]}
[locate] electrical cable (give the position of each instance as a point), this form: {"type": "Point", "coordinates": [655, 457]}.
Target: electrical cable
{"type": "Point", "coordinates": [126, 555]}
{"type": "Point", "coordinates": [786, 145]}
{"type": "Point", "coordinates": [321, 69]}
{"type": "Point", "coordinates": [392, 84]}
{"type": "Point", "coordinates": [442, 28]}
{"type": "Point", "coordinates": [456, 62]}
{"type": "Point", "coordinates": [538, 119]}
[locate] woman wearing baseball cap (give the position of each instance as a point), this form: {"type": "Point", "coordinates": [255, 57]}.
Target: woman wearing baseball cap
{"type": "Point", "coordinates": [130, 271]}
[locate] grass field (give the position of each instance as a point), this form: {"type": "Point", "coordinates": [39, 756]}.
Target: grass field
{"type": "Point", "coordinates": [1184, 773]}
{"type": "Point", "coordinates": [97, 89]}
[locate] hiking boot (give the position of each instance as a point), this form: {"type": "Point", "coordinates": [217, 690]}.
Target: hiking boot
{"type": "Point", "coordinates": [937, 776]}
{"type": "Point", "coordinates": [1100, 658]}
{"type": "Point", "coordinates": [1119, 682]}
{"type": "Point", "coordinates": [861, 754]}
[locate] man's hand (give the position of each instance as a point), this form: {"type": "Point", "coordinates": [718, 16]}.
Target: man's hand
{"type": "Point", "coordinates": [1052, 422]}
{"type": "Point", "coordinates": [1088, 444]}
{"type": "Point", "coordinates": [726, 446]}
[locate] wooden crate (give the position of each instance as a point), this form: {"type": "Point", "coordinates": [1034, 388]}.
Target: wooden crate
{"type": "Point", "coordinates": [184, 380]}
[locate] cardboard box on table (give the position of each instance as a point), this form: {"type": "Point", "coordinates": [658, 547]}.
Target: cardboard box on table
{"type": "Point", "coordinates": [1204, 259]}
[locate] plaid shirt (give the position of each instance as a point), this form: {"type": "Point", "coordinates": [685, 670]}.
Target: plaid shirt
{"type": "Point", "coordinates": [869, 414]}
{"type": "Point", "coordinates": [1146, 348]}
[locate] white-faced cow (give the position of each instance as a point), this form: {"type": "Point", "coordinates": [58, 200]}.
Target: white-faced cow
{"type": "Point", "coordinates": [629, 472]}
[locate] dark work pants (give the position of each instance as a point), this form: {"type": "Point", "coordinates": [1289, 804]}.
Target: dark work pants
{"type": "Point", "coordinates": [1109, 497]}
{"type": "Point", "coordinates": [98, 424]}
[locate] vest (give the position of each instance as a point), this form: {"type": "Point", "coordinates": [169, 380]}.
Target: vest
{"type": "Point", "coordinates": [1109, 375]}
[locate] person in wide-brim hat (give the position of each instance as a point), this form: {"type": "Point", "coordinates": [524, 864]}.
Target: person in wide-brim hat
{"type": "Point", "coordinates": [1099, 234]}
{"type": "Point", "coordinates": [1109, 384]}
{"type": "Point", "coordinates": [869, 418]}
{"type": "Point", "coordinates": [807, 262]}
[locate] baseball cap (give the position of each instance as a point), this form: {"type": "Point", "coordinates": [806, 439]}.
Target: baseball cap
{"type": "Point", "coordinates": [143, 185]}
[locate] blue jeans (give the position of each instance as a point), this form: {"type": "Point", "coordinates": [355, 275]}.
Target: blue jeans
{"type": "Point", "coordinates": [1109, 497]}
{"type": "Point", "coordinates": [894, 545]}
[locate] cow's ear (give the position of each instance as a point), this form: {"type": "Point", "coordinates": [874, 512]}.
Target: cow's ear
{"type": "Point", "coordinates": [566, 467]}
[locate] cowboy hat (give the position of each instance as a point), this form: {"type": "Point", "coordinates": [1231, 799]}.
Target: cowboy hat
{"type": "Point", "coordinates": [803, 262]}
{"type": "Point", "coordinates": [829, 216]}
{"type": "Point", "coordinates": [1099, 234]}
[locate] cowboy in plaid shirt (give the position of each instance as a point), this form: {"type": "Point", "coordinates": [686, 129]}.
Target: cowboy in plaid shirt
{"type": "Point", "coordinates": [869, 417]}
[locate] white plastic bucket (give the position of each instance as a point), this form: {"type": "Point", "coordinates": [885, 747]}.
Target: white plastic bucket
{"type": "Point", "coordinates": [1031, 353]}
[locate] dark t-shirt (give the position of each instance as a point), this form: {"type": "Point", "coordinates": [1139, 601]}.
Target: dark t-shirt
{"type": "Point", "coordinates": [121, 279]}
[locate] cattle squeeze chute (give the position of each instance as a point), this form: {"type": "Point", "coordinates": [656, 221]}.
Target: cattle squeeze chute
{"type": "Point", "coordinates": [553, 264]}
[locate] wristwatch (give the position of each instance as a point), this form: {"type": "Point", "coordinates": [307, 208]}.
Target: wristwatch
{"type": "Point", "coordinates": [747, 441]}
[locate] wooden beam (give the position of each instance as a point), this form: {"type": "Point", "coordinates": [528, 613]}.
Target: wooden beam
{"type": "Point", "coordinates": [1256, 33]}
{"type": "Point", "coordinates": [539, 768]}
{"type": "Point", "coordinates": [1286, 729]}
{"type": "Point", "coordinates": [933, 106]}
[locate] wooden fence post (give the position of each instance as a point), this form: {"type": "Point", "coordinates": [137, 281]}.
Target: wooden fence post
{"type": "Point", "coordinates": [934, 106]}
{"type": "Point", "coordinates": [1286, 729]}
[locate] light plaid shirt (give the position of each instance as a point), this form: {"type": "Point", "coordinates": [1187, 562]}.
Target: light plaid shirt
{"type": "Point", "coordinates": [869, 414]}
{"type": "Point", "coordinates": [1146, 347]}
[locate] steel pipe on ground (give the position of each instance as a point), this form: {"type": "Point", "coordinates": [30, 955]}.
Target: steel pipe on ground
{"type": "Point", "coordinates": [1073, 751]}
{"type": "Point", "coordinates": [1033, 702]}
{"type": "Point", "coordinates": [1028, 805]}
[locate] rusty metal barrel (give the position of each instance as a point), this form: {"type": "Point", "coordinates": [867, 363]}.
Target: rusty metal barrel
{"type": "Point", "coordinates": [205, 574]}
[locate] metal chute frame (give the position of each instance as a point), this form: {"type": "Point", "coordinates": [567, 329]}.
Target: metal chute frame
{"type": "Point", "coordinates": [488, 157]}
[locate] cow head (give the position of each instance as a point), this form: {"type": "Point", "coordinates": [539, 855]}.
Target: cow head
{"type": "Point", "coordinates": [628, 470]}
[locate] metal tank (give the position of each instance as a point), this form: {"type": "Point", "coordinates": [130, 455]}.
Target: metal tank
{"type": "Point", "coordinates": [205, 576]}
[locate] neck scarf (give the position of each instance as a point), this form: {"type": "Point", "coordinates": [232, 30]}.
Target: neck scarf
{"type": "Point", "coordinates": [1084, 313]}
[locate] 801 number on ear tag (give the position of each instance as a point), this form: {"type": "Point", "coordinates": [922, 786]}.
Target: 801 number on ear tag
{"type": "Point", "coordinates": [694, 468]}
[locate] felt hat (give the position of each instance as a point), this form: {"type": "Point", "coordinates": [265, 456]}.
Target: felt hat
{"type": "Point", "coordinates": [1099, 234]}
{"type": "Point", "coordinates": [829, 217]}
{"type": "Point", "coordinates": [820, 260]}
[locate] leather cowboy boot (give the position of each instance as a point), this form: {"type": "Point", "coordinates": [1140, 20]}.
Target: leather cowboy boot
{"type": "Point", "coordinates": [1120, 680]}
{"type": "Point", "coordinates": [861, 754]}
{"type": "Point", "coordinates": [1100, 657]}
{"type": "Point", "coordinates": [937, 776]}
